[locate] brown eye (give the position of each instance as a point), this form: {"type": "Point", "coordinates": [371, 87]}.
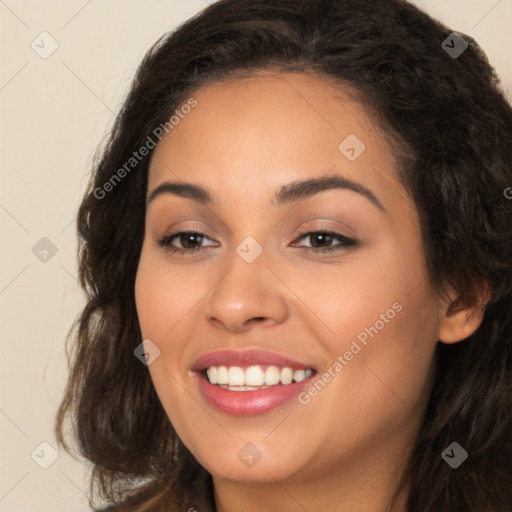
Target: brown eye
{"type": "Point", "coordinates": [190, 241]}
{"type": "Point", "coordinates": [321, 241]}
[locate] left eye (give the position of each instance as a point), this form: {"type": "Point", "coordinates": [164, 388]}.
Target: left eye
{"type": "Point", "coordinates": [190, 239]}
{"type": "Point", "coordinates": [326, 237]}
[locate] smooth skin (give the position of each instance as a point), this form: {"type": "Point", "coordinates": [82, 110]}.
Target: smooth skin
{"type": "Point", "coordinates": [343, 450]}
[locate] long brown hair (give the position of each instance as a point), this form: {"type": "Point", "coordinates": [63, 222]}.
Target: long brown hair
{"type": "Point", "coordinates": [452, 125]}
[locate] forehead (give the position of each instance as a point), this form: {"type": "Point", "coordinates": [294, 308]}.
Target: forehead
{"type": "Point", "coordinates": [269, 128]}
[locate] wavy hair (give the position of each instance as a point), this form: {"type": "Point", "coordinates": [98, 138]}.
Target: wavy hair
{"type": "Point", "coordinates": [451, 124]}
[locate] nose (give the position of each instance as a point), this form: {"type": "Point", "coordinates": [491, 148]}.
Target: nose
{"type": "Point", "coordinates": [247, 294]}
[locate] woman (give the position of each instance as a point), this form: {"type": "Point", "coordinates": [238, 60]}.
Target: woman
{"type": "Point", "coordinates": [296, 248]}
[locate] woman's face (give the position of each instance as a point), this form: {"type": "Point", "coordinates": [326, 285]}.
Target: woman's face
{"type": "Point", "coordinates": [355, 326]}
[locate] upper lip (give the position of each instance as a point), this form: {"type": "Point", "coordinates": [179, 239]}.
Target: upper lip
{"type": "Point", "coordinates": [250, 357]}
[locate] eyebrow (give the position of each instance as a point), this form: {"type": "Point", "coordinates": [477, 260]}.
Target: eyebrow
{"type": "Point", "coordinates": [291, 192]}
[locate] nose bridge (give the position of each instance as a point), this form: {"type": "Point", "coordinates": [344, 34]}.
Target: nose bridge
{"type": "Point", "coordinates": [247, 290]}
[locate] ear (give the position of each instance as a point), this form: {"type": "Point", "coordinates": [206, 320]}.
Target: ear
{"type": "Point", "coordinates": [459, 321]}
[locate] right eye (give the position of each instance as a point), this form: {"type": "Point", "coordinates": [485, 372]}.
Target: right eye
{"type": "Point", "coordinates": [187, 239]}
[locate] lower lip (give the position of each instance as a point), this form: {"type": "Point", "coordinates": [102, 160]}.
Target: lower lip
{"type": "Point", "coordinates": [249, 403]}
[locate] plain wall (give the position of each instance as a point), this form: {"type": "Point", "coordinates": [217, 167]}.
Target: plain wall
{"type": "Point", "coordinates": [54, 113]}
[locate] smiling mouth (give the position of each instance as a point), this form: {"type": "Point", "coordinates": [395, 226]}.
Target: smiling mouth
{"type": "Point", "coordinates": [255, 377]}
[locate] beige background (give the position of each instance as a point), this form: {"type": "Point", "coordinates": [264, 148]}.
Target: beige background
{"type": "Point", "coordinates": [54, 112]}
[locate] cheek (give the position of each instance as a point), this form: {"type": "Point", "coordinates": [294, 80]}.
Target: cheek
{"type": "Point", "coordinates": [384, 327]}
{"type": "Point", "coordinates": [387, 359]}
{"type": "Point", "coordinates": [161, 300]}
{"type": "Point", "coordinates": [364, 295]}
{"type": "Point", "coordinates": [161, 308]}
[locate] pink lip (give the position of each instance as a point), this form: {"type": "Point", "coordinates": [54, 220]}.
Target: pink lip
{"type": "Point", "coordinates": [246, 358]}
{"type": "Point", "coordinates": [248, 403]}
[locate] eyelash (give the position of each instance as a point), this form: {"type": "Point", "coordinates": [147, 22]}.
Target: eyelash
{"type": "Point", "coordinates": [345, 242]}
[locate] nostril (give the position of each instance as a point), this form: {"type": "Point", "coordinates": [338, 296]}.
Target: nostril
{"type": "Point", "coordinates": [256, 319]}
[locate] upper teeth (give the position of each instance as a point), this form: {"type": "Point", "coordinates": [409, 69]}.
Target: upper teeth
{"type": "Point", "coordinates": [255, 375]}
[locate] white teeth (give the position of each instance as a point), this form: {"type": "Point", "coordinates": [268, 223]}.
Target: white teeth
{"type": "Point", "coordinates": [272, 376]}
{"type": "Point", "coordinates": [241, 388]}
{"type": "Point", "coordinates": [254, 377]}
{"type": "Point", "coordinates": [298, 375]}
{"type": "Point", "coordinates": [212, 374]}
{"type": "Point", "coordinates": [222, 375]}
{"type": "Point", "coordinates": [236, 376]}
{"type": "Point", "coordinates": [286, 376]}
